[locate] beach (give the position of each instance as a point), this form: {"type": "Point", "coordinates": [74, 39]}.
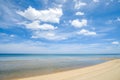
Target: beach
{"type": "Point", "coordinates": [59, 39]}
{"type": "Point", "coordinates": [105, 71]}
{"type": "Point", "coordinates": [19, 66]}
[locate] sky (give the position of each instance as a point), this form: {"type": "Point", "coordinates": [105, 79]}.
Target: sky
{"type": "Point", "coordinates": [60, 26]}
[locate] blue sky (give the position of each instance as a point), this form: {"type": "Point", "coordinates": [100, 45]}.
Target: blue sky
{"type": "Point", "coordinates": [60, 26]}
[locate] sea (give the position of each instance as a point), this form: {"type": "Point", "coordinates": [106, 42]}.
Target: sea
{"type": "Point", "coordinates": [24, 65]}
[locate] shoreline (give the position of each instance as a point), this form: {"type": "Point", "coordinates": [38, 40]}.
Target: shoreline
{"type": "Point", "coordinates": [35, 72]}
{"type": "Point", "coordinates": [109, 70]}
{"type": "Point", "coordinates": [15, 70]}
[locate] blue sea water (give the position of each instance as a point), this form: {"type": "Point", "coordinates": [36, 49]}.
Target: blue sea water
{"type": "Point", "coordinates": [19, 65]}
{"type": "Point", "coordinates": [5, 57]}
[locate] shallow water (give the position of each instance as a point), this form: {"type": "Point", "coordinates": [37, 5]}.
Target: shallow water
{"type": "Point", "coordinates": [23, 65]}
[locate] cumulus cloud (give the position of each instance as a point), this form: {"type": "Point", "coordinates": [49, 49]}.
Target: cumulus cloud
{"type": "Point", "coordinates": [50, 15]}
{"type": "Point", "coordinates": [95, 0]}
{"type": "Point", "coordinates": [79, 24]}
{"type": "Point", "coordinates": [79, 13]}
{"type": "Point", "coordinates": [79, 4]}
{"type": "Point", "coordinates": [48, 35]}
{"type": "Point", "coordinates": [86, 32]}
{"type": "Point", "coordinates": [35, 25]}
{"type": "Point", "coordinates": [115, 42]}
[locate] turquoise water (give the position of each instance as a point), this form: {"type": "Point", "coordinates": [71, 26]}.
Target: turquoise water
{"type": "Point", "coordinates": [23, 65]}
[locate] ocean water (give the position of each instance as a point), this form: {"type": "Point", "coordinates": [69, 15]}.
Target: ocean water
{"type": "Point", "coordinates": [24, 65]}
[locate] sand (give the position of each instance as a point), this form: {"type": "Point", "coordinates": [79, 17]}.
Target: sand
{"type": "Point", "coordinates": [105, 71]}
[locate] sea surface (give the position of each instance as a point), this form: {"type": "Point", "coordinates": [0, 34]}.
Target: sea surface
{"type": "Point", "coordinates": [25, 65]}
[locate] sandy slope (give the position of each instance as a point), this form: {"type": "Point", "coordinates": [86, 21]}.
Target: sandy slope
{"type": "Point", "coordinates": [106, 71]}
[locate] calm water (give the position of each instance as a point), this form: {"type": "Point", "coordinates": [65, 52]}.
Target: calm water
{"type": "Point", "coordinates": [23, 65]}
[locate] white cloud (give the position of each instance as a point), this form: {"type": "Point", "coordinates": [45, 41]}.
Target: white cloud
{"type": "Point", "coordinates": [79, 4]}
{"type": "Point", "coordinates": [115, 42]}
{"type": "Point", "coordinates": [79, 24]}
{"type": "Point", "coordinates": [79, 13]}
{"type": "Point", "coordinates": [51, 15]}
{"type": "Point", "coordinates": [35, 25]}
{"type": "Point", "coordinates": [12, 35]}
{"type": "Point", "coordinates": [95, 0]}
{"type": "Point", "coordinates": [48, 35]}
{"type": "Point", "coordinates": [86, 32]}
{"type": "Point", "coordinates": [118, 19]}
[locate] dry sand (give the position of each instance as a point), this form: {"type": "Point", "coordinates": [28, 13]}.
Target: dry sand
{"type": "Point", "coordinates": [106, 71]}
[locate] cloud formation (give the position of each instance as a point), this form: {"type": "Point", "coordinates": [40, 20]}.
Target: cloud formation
{"type": "Point", "coordinates": [51, 15]}
{"type": "Point", "coordinates": [86, 32]}
{"type": "Point", "coordinates": [79, 13]}
{"type": "Point", "coordinates": [115, 42]}
{"type": "Point", "coordinates": [35, 25]}
{"type": "Point", "coordinates": [78, 24]}
{"type": "Point", "coordinates": [118, 19]}
{"type": "Point", "coordinates": [79, 4]}
{"type": "Point", "coordinates": [67, 25]}
{"type": "Point", "coordinates": [48, 35]}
